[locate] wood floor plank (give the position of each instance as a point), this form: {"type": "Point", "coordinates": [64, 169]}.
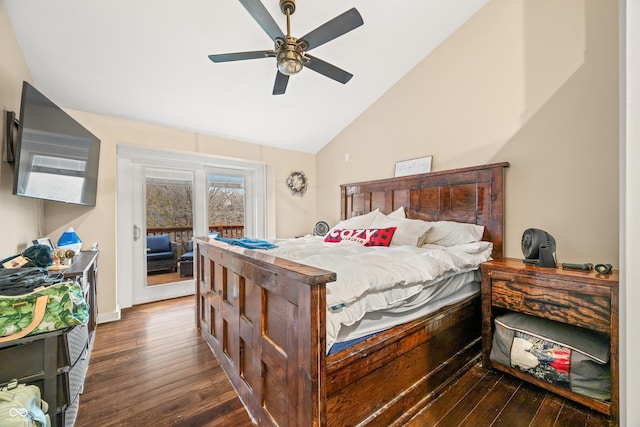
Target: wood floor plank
{"type": "Point", "coordinates": [597, 420]}
{"type": "Point", "coordinates": [573, 414]}
{"type": "Point", "coordinates": [490, 407]}
{"type": "Point", "coordinates": [434, 412]}
{"type": "Point", "coordinates": [523, 406]}
{"type": "Point", "coordinates": [550, 409]}
{"type": "Point", "coordinates": [469, 402]}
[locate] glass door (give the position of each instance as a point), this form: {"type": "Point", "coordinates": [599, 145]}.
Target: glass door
{"type": "Point", "coordinates": [226, 200]}
{"type": "Point", "coordinates": [163, 228]}
{"type": "Point", "coordinates": [236, 201]}
{"type": "Point", "coordinates": [169, 225]}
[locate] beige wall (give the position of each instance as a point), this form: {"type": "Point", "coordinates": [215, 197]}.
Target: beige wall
{"type": "Point", "coordinates": [20, 216]}
{"type": "Point", "coordinates": [534, 83]}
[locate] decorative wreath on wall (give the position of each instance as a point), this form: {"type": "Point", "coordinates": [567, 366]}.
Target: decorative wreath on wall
{"type": "Point", "coordinates": [297, 183]}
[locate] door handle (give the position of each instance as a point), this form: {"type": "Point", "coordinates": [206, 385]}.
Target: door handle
{"type": "Point", "coordinates": [136, 233]}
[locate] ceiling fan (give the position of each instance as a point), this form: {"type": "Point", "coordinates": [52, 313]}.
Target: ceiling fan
{"type": "Point", "coordinates": [291, 52]}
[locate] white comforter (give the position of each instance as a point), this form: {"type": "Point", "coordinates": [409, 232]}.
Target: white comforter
{"type": "Point", "coordinates": [374, 278]}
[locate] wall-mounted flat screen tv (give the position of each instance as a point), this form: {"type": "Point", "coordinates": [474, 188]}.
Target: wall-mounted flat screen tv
{"type": "Point", "coordinates": [56, 157]}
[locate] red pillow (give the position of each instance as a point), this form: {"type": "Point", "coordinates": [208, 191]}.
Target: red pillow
{"type": "Point", "coordinates": [367, 236]}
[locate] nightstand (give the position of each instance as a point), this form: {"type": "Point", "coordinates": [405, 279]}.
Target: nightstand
{"type": "Point", "coordinates": [580, 298]}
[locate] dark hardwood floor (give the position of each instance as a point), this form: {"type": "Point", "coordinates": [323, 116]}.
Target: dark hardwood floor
{"type": "Point", "coordinates": [152, 369]}
{"type": "Point", "coordinates": [489, 398]}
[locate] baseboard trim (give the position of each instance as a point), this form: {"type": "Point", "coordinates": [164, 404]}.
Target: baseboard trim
{"type": "Point", "coordinates": [109, 317]}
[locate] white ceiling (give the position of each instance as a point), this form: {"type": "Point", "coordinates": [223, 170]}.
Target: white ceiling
{"type": "Point", "coordinates": [146, 60]}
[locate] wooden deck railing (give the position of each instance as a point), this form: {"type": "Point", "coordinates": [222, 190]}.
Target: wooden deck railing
{"type": "Point", "coordinates": [185, 233]}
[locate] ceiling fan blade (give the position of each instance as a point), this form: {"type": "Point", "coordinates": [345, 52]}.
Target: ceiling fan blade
{"type": "Point", "coordinates": [280, 86]}
{"type": "Point", "coordinates": [338, 26]}
{"type": "Point", "coordinates": [239, 56]}
{"type": "Point", "coordinates": [326, 69]}
{"type": "Point", "coordinates": [263, 18]}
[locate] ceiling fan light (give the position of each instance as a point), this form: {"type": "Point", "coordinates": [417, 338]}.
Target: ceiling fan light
{"type": "Point", "coordinates": [289, 62]}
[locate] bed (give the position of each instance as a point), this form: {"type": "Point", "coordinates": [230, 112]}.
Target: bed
{"type": "Point", "coordinates": [265, 317]}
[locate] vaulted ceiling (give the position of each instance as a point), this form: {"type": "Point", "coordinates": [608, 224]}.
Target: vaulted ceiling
{"type": "Point", "coordinates": [147, 60]}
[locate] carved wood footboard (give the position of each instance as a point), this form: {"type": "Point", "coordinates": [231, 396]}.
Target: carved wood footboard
{"type": "Point", "coordinates": [264, 317]}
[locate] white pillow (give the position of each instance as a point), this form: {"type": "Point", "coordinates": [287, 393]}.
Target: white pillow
{"type": "Point", "coordinates": [451, 233]}
{"type": "Point", "coordinates": [412, 232]}
{"type": "Point", "coordinates": [358, 222]}
{"type": "Point", "coordinates": [398, 213]}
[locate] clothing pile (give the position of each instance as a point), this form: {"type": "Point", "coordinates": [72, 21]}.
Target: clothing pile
{"type": "Point", "coordinates": [33, 301]}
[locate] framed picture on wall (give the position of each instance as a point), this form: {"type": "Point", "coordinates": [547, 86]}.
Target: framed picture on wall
{"type": "Point", "coordinates": [413, 166]}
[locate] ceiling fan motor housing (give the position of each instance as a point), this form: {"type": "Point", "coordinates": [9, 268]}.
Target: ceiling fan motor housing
{"type": "Point", "coordinates": [290, 56]}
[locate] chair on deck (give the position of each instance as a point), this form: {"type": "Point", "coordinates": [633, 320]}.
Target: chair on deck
{"type": "Point", "coordinates": [162, 253]}
{"type": "Point", "coordinates": [186, 260]}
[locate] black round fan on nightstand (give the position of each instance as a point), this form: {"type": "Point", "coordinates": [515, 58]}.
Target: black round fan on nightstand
{"type": "Point", "coordinates": [538, 247]}
{"type": "Point", "coordinates": [321, 228]}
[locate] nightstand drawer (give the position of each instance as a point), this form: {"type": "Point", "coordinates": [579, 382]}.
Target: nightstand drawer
{"type": "Point", "coordinates": [588, 310]}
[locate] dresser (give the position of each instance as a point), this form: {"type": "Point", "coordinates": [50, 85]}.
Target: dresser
{"type": "Point", "coordinates": [581, 298]}
{"type": "Point", "coordinates": [57, 361]}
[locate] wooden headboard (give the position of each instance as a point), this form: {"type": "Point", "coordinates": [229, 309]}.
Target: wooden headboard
{"type": "Point", "coordinates": [472, 195]}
